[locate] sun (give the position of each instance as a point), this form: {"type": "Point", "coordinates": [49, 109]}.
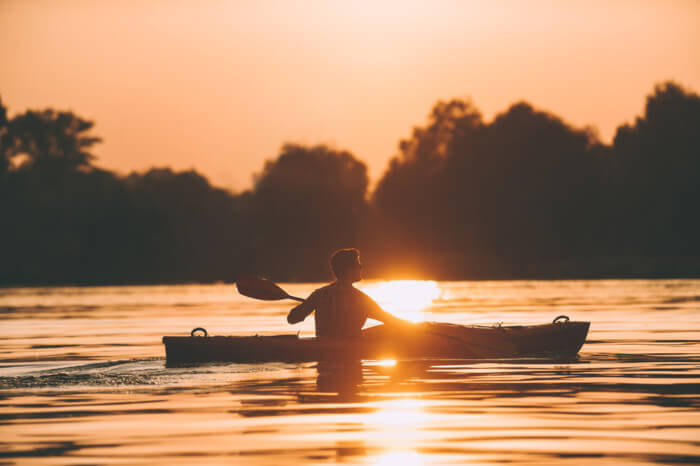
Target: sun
{"type": "Point", "coordinates": [404, 298]}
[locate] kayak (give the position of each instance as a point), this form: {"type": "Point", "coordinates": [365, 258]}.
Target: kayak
{"type": "Point", "coordinates": [431, 340]}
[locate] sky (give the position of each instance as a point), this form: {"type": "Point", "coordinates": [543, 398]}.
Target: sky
{"type": "Point", "coordinates": [219, 86]}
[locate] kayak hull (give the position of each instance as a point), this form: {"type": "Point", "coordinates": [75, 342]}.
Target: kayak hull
{"type": "Point", "coordinates": [428, 340]}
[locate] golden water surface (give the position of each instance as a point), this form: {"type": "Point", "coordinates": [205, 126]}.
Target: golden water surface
{"type": "Point", "coordinates": [83, 380]}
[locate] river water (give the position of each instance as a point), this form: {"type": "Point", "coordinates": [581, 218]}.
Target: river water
{"type": "Point", "coordinates": [83, 380]}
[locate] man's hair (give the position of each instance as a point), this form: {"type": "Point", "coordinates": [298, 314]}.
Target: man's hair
{"type": "Point", "coordinates": [342, 260]}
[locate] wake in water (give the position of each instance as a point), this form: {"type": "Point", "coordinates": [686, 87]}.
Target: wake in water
{"type": "Point", "coordinates": [130, 373]}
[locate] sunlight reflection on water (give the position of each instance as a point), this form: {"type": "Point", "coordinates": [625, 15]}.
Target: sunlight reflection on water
{"type": "Point", "coordinates": [404, 298]}
{"type": "Point", "coordinates": [83, 381]}
{"type": "Point", "coordinates": [403, 458]}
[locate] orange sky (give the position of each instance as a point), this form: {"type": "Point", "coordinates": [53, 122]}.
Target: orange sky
{"type": "Point", "coordinates": [220, 85]}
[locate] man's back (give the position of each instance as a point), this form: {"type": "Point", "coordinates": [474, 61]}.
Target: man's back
{"type": "Point", "coordinates": [341, 309]}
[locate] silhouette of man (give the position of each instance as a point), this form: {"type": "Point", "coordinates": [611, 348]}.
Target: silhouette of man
{"type": "Point", "coordinates": [341, 309]}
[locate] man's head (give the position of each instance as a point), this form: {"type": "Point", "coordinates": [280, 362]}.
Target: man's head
{"type": "Point", "coordinates": [346, 265]}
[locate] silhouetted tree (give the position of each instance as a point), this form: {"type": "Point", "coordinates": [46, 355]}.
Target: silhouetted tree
{"type": "Point", "coordinates": [52, 140]}
{"type": "Point", "coordinates": [657, 168]}
{"type": "Point", "coordinates": [191, 230]}
{"type": "Point", "coordinates": [306, 203]}
{"type": "Point", "coordinates": [524, 178]}
{"type": "Point", "coordinates": [525, 195]}
{"type": "Point", "coordinates": [505, 193]}
{"type": "Point", "coordinates": [411, 204]}
{"type": "Point", "coordinates": [4, 140]}
{"type": "Point", "coordinates": [48, 192]}
{"type": "Point", "coordinates": [408, 189]}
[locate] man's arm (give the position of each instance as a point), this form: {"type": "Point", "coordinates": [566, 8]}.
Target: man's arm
{"type": "Point", "coordinates": [302, 311]}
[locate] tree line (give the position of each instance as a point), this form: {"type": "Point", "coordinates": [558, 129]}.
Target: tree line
{"type": "Point", "coordinates": [525, 195]}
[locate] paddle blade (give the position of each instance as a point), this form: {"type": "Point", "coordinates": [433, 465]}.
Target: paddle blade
{"type": "Point", "coordinates": [260, 288]}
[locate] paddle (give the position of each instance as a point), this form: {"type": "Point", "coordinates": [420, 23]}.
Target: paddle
{"type": "Point", "coordinates": [262, 288]}
{"type": "Point", "coordinates": [265, 289]}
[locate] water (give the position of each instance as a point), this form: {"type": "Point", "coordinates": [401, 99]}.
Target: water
{"type": "Point", "coordinates": [83, 381]}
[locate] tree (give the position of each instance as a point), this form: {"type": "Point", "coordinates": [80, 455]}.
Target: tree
{"type": "Point", "coordinates": [51, 139]}
{"type": "Point", "coordinates": [4, 141]}
{"type": "Point", "coordinates": [523, 183]}
{"type": "Point", "coordinates": [410, 199]}
{"type": "Point", "coordinates": [306, 203]}
{"type": "Point", "coordinates": [657, 167]}
{"type": "Point", "coordinates": [504, 193]}
{"type": "Point", "coordinates": [190, 230]}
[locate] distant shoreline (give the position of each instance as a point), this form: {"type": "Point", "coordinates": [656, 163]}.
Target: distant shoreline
{"type": "Point", "coordinates": [690, 270]}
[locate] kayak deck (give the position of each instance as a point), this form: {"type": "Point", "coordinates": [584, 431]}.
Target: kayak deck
{"type": "Point", "coordinates": [428, 340]}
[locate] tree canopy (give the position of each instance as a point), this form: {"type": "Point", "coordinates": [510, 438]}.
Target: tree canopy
{"type": "Point", "coordinates": [306, 203]}
{"type": "Point", "coordinates": [526, 195]}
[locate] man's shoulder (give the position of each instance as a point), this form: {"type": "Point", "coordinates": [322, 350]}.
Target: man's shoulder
{"type": "Point", "coordinates": [363, 297]}
{"type": "Point", "coordinates": [324, 289]}
{"type": "Point", "coordinates": [336, 288]}
{"type": "Point", "coordinates": [359, 292]}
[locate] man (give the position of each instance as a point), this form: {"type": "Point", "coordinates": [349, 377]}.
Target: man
{"type": "Point", "coordinates": [341, 309]}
